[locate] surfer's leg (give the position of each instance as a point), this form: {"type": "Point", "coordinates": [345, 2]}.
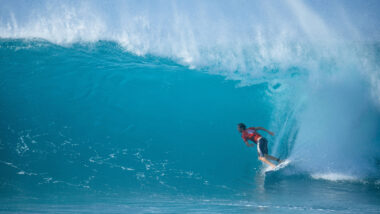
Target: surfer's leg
{"type": "Point", "coordinates": [263, 145]}
{"type": "Point", "coordinates": [263, 159]}
{"type": "Point", "coordinates": [270, 157]}
{"type": "Point", "coordinates": [262, 151]}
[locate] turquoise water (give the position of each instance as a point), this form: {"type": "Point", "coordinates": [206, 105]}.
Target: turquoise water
{"type": "Point", "coordinates": [139, 115]}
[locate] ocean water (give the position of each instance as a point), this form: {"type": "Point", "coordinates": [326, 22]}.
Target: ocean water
{"type": "Point", "coordinates": [132, 106]}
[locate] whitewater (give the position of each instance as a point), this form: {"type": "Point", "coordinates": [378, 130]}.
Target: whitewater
{"type": "Point", "coordinates": [132, 106]}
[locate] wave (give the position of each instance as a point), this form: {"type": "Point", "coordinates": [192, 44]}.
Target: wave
{"type": "Point", "coordinates": [321, 77]}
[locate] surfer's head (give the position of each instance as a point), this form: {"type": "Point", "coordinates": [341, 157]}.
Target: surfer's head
{"type": "Point", "coordinates": [241, 127]}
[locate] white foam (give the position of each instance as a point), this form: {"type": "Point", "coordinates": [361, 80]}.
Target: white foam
{"type": "Point", "coordinates": [334, 177]}
{"type": "Point", "coordinates": [196, 34]}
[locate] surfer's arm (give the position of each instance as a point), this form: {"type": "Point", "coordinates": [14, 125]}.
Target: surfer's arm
{"type": "Point", "coordinates": [261, 128]}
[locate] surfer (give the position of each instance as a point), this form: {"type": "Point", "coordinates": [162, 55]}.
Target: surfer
{"type": "Point", "coordinates": [262, 143]}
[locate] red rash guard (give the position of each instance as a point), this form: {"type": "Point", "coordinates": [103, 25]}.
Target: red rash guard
{"type": "Point", "coordinates": [250, 134]}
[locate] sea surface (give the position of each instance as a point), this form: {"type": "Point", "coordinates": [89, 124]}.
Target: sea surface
{"type": "Point", "coordinates": [132, 106]}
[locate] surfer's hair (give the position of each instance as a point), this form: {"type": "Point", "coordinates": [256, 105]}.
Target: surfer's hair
{"type": "Point", "coordinates": [242, 126]}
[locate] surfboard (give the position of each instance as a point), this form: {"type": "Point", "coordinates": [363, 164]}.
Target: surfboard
{"type": "Point", "coordinates": [283, 164]}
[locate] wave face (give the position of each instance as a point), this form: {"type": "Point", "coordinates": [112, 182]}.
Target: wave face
{"type": "Point", "coordinates": [105, 96]}
{"type": "Point", "coordinates": [92, 116]}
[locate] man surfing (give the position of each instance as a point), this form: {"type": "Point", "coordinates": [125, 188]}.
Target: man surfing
{"type": "Point", "coordinates": [262, 143]}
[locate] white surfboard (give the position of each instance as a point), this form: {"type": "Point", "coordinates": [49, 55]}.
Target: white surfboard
{"type": "Point", "coordinates": [283, 164]}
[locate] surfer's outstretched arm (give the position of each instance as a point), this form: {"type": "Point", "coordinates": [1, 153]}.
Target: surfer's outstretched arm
{"type": "Point", "coordinates": [261, 128]}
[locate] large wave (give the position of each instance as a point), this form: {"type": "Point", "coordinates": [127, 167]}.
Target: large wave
{"type": "Point", "coordinates": [318, 59]}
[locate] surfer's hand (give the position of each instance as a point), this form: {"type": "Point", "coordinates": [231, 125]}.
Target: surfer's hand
{"type": "Point", "coordinates": [271, 133]}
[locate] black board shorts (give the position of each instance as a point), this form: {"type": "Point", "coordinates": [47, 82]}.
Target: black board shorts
{"type": "Point", "coordinates": [262, 147]}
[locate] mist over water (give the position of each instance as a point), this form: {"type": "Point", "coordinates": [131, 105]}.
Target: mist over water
{"type": "Point", "coordinates": [307, 70]}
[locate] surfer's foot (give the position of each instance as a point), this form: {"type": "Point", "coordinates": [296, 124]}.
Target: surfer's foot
{"type": "Point", "coordinates": [279, 161]}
